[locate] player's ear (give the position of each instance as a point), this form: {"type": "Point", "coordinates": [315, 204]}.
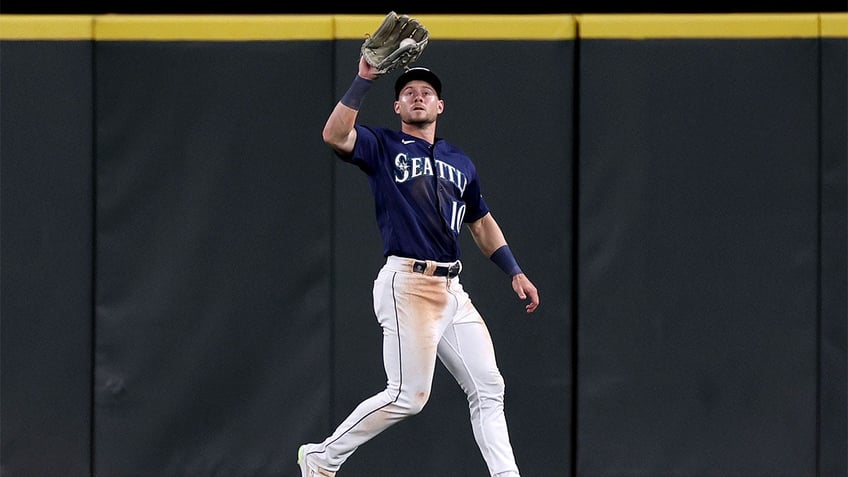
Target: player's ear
{"type": "Point", "coordinates": [397, 107]}
{"type": "Point", "coordinates": [441, 106]}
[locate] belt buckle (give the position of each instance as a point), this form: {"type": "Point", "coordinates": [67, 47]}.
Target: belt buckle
{"type": "Point", "coordinates": [419, 267]}
{"type": "Point", "coordinates": [453, 270]}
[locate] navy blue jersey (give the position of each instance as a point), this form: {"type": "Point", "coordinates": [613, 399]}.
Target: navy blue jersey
{"type": "Point", "coordinates": [423, 193]}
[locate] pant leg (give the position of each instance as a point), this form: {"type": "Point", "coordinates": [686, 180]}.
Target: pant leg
{"type": "Point", "coordinates": [467, 351]}
{"type": "Point", "coordinates": [411, 309]}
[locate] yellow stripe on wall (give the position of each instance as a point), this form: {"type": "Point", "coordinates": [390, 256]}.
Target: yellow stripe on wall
{"type": "Point", "coordinates": [448, 27]}
{"type": "Point", "coordinates": [214, 27]}
{"type": "Point", "coordinates": [731, 25]}
{"type": "Point", "coordinates": [469, 27]}
{"type": "Point", "coordinates": [46, 27]}
{"type": "Point", "coordinates": [834, 25]}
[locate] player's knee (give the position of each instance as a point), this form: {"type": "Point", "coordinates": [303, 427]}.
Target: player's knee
{"type": "Point", "coordinates": [492, 389]}
{"type": "Point", "coordinates": [416, 401]}
{"type": "Point", "coordinates": [419, 401]}
{"type": "Point", "coordinates": [495, 382]}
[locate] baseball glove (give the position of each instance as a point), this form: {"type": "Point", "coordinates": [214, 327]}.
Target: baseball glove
{"type": "Point", "coordinates": [399, 41]}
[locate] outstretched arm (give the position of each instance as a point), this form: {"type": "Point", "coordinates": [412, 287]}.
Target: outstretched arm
{"type": "Point", "coordinates": [490, 240]}
{"type": "Point", "coordinates": [339, 132]}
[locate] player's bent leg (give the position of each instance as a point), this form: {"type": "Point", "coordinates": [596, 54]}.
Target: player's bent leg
{"type": "Point", "coordinates": [409, 359]}
{"type": "Point", "coordinates": [371, 417]}
{"type": "Point", "coordinates": [406, 394]}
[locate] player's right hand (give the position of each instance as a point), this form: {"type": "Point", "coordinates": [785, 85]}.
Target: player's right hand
{"type": "Point", "coordinates": [525, 289]}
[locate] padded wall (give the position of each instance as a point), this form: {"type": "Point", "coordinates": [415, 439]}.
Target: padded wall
{"type": "Point", "coordinates": [213, 255]}
{"type": "Point", "coordinates": [833, 400]}
{"type": "Point", "coordinates": [698, 260]}
{"type": "Point", "coordinates": [47, 221]}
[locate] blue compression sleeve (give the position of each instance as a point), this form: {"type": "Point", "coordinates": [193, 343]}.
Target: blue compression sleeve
{"type": "Point", "coordinates": [503, 258]}
{"type": "Point", "coordinates": [356, 93]}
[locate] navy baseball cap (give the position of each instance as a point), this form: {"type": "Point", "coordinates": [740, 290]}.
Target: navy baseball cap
{"type": "Point", "coordinates": [418, 73]}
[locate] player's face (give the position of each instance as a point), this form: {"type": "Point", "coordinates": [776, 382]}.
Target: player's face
{"type": "Point", "coordinates": [418, 103]}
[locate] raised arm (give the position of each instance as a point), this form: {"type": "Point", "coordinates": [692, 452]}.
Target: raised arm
{"type": "Point", "coordinates": [339, 132]}
{"type": "Point", "coordinates": [490, 240]}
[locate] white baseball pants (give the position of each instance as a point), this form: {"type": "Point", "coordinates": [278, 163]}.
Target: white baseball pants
{"type": "Point", "coordinates": [424, 317]}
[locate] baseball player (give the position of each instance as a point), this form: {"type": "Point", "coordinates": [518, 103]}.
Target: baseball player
{"type": "Point", "coordinates": [424, 190]}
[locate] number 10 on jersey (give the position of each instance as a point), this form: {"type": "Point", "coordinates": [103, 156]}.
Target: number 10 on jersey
{"type": "Point", "coordinates": [457, 214]}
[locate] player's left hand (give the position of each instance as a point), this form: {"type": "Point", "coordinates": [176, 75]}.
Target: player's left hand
{"type": "Point", "coordinates": [525, 289]}
{"type": "Point", "coordinates": [366, 70]}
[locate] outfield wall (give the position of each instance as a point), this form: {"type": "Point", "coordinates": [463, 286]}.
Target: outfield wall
{"type": "Point", "coordinates": [186, 268]}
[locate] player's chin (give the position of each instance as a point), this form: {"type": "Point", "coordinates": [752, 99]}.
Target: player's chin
{"type": "Point", "coordinates": [418, 119]}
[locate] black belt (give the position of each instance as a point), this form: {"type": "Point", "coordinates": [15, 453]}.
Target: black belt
{"type": "Point", "coordinates": [439, 271]}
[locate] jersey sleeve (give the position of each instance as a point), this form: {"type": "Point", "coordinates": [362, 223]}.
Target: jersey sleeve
{"type": "Point", "coordinates": [475, 206]}
{"type": "Point", "coordinates": [366, 151]}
